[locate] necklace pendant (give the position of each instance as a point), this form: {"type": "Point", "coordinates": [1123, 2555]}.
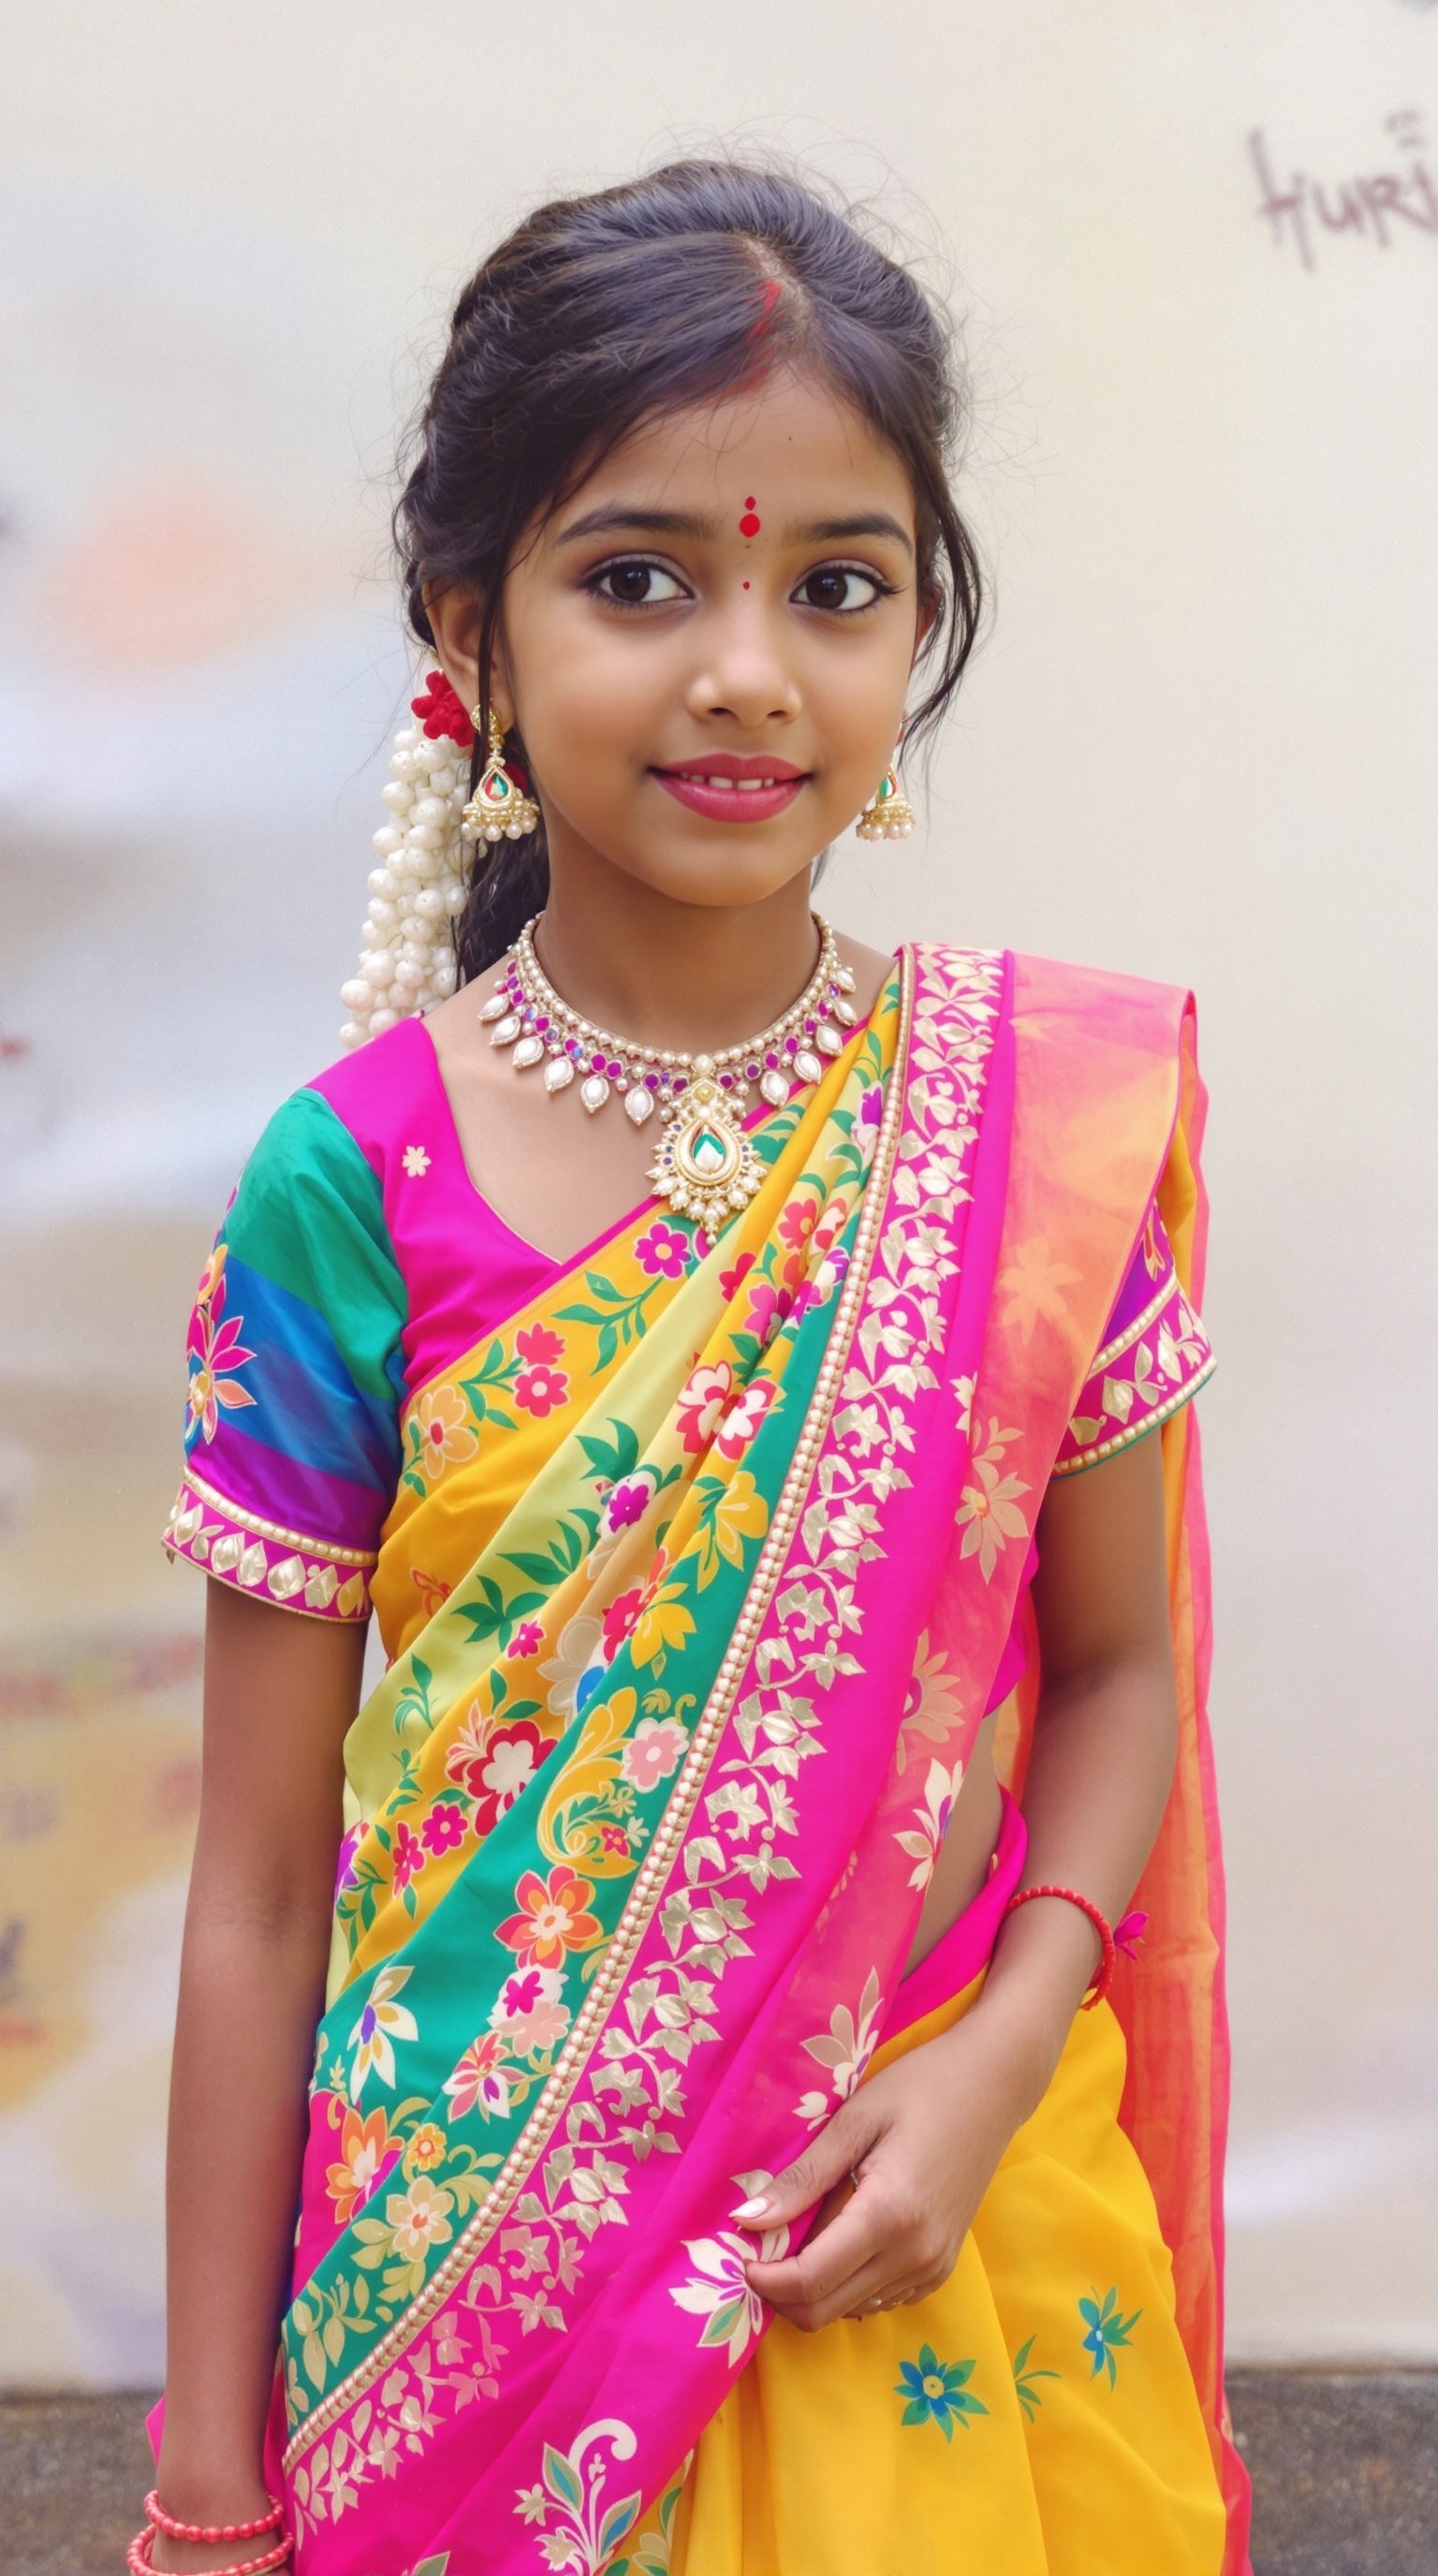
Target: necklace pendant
{"type": "Point", "coordinates": [705, 1166]}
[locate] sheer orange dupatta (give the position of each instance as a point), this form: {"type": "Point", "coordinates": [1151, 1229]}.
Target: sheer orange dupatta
{"type": "Point", "coordinates": [1087, 1111]}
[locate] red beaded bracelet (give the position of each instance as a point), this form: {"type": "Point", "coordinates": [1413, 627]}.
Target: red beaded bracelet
{"type": "Point", "coordinates": [140, 2560]}
{"type": "Point", "coordinates": [212, 2531]}
{"type": "Point", "coordinates": [1104, 1974]}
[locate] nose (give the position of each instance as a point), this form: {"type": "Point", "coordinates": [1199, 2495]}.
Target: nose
{"type": "Point", "coordinates": [743, 673]}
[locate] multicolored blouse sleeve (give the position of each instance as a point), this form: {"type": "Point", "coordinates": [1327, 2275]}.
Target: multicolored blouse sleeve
{"type": "Point", "coordinates": [1154, 1355]}
{"type": "Point", "coordinates": [296, 1374]}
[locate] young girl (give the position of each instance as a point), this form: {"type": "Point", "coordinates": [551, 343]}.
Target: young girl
{"type": "Point", "coordinates": [671, 2081]}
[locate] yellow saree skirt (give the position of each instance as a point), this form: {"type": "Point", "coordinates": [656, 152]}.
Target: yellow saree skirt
{"type": "Point", "coordinates": [1034, 2416]}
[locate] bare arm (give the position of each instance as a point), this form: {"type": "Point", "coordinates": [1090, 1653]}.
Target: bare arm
{"type": "Point", "coordinates": [280, 1691]}
{"type": "Point", "coordinates": [929, 2129]}
{"type": "Point", "coordinates": [1105, 1739]}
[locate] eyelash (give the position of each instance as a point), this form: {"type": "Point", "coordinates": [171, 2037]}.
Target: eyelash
{"type": "Point", "coordinates": [650, 563]}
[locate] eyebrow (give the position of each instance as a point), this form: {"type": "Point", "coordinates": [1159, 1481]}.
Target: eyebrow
{"type": "Point", "coordinates": [687, 523]}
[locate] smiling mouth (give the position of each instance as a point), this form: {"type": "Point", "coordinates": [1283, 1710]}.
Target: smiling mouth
{"type": "Point", "coordinates": [744, 786]}
{"type": "Point", "coordinates": [722, 798]}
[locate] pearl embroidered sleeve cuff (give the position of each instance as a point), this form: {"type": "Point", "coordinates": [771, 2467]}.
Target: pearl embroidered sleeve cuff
{"type": "Point", "coordinates": [259, 1556]}
{"type": "Point", "coordinates": [1154, 1355]}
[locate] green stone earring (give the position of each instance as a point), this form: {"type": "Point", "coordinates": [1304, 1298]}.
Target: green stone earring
{"type": "Point", "coordinates": [889, 816]}
{"type": "Point", "coordinates": [498, 810]}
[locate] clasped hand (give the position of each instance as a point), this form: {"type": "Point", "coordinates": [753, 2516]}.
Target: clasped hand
{"type": "Point", "coordinates": [923, 2138]}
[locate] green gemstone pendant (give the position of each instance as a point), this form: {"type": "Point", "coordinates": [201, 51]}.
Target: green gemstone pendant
{"type": "Point", "coordinates": [705, 1166]}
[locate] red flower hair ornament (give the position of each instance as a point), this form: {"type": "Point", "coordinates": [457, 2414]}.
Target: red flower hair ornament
{"type": "Point", "coordinates": [440, 712]}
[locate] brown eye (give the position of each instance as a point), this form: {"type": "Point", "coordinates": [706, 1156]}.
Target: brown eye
{"type": "Point", "coordinates": [636, 584]}
{"type": "Point", "coordinates": [830, 588]}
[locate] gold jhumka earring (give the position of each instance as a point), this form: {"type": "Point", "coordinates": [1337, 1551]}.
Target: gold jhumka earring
{"type": "Point", "coordinates": [498, 810]}
{"type": "Point", "coordinates": [888, 816]}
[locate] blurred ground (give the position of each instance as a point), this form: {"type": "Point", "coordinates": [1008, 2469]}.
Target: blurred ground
{"type": "Point", "coordinates": [1345, 2469]}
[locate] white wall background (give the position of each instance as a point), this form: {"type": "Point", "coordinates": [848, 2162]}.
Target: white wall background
{"type": "Point", "coordinates": [1198, 743]}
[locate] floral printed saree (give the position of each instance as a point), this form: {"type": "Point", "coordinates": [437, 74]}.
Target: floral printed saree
{"type": "Point", "coordinates": [694, 1585]}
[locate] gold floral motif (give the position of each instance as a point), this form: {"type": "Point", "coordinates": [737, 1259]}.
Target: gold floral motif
{"type": "Point", "coordinates": [988, 1512]}
{"type": "Point", "coordinates": [931, 1710]}
{"type": "Point", "coordinates": [1134, 1330]}
{"type": "Point", "coordinates": [1035, 1283]}
{"type": "Point", "coordinates": [845, 2048]}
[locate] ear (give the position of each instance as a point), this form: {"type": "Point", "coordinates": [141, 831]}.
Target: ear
{"type": "Point", "coordinates": [456, 616]}
{"type": "Point", "coordinates": [928, 610]}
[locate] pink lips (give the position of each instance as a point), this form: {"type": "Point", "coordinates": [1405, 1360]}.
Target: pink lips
{"type": "Point", "coordinates": [735, 804]}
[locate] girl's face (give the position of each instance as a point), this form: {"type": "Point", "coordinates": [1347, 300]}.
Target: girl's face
{"type": "Point", "coordinates": [732, 591]}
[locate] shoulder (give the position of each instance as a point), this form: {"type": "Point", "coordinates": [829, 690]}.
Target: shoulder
{"type": "Point", "coordinates": [311, 1199]}
{"type": "Point", "coordinates": [339, 1128]}
{"type": "Point", "coordinates": [372, 1093]}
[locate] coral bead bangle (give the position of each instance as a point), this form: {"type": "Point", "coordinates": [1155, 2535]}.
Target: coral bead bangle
{"type": "Point", "coordinates": [1099, 1983]}
{"type": "Point", "coordinates": [140, 2561]}
{"type": "Point", "coordinates": [211, 2531]}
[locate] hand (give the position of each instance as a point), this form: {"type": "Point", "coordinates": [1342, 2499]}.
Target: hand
{"type": "Point", "coordinates": [923, 2136]}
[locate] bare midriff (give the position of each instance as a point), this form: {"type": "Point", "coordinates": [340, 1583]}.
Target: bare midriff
{"type": "Point", "coordinates": [963, 1862]}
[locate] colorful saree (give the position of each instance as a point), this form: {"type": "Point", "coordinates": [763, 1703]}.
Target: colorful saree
{"type": "Point", "coordinates": [694, 1586]}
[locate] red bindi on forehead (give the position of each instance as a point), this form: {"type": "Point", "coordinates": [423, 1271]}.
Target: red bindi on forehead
{"type": "Point", "coordinates": [749, 525]}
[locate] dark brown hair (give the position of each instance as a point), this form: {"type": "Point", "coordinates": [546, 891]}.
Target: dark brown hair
{"type": "Point", "coordinates": [601, 312]}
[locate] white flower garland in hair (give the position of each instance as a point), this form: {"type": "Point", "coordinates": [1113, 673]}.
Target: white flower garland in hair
{"type": "Point", "coordinates": [418, 890]}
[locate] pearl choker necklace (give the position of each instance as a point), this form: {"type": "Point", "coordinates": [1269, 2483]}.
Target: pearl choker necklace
{"type": "Point", "coordinates": [705, 1166]}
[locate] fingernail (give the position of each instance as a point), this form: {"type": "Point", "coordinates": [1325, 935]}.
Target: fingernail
{"type": "Point", "coordinates": [750, 2209]}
